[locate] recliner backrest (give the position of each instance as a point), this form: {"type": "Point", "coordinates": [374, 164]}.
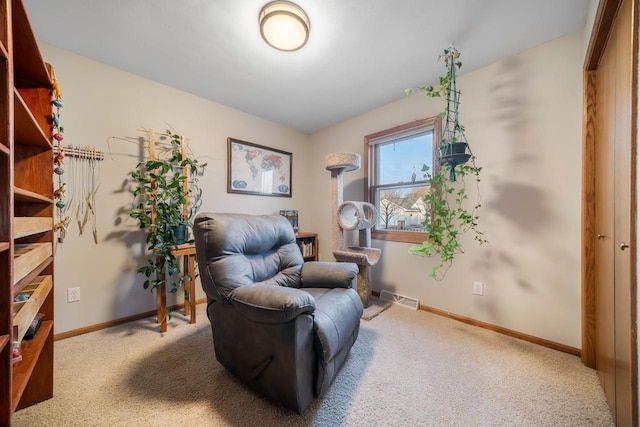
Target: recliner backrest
{"type": "Point", "coordinates": [237, 249]}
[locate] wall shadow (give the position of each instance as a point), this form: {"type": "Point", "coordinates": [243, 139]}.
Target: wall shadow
{"type": "Point", "coordinates": [131, 238]}
{"type": "Point", "coordinates": [523, 205]}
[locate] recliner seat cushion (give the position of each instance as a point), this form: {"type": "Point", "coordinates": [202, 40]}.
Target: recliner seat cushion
{"type": "Point", "coordinates": [319, 274]}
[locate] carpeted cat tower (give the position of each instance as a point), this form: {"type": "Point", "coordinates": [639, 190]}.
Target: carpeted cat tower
{"type": "Point", "coordinates": [348, 216]}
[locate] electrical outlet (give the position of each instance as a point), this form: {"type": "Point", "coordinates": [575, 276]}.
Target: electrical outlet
{"type": "Point", "coordinates": [73, 294]}
{"type": "Point", "coordinates": [478, 288]}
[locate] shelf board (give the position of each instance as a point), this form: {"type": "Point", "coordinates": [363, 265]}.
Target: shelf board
{"type": "Point", "coordinates": [3, 51]}
{"type": "Point", "coordinates": [186, 249]}
{"type": "Point", "coordinates": [27, 226]}
{"type": "Point", "coordinates": [21, 195]}
{"type": "Point", "coordinates": [27, 130]}
{"type": "Point", "coordinates": [28, 256]}
{"type": "Point", "coordinates": [4, 340]}
{"type": "Point", "coordinates": [4, 246]}
{"type": "Point", "coordinates": [30, 354]}
{"type": "Point", "coordinates": [22, 284]}
{"type": "Point", "coordinates": [4, 149]}
{"type": "Point", "coordinates": [25, 311]}
{"type": "Point", "coordinates": [29, 67]}
{"type": "Point", "coordinates": [303, 235]}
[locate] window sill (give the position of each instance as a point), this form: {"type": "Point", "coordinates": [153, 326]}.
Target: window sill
{"type": "Point", "coordinates": [398, 236]}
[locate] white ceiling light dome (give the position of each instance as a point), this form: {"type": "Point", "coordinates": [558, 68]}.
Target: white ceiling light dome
{"type": "Point", "coordinates": [284, 25]}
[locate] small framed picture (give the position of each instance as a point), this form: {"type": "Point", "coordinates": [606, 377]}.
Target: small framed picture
{"type": "Point", "coordinates": [258, 170]}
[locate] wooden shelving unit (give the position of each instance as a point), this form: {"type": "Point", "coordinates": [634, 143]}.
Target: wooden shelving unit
{"type": "Point", "coordinates": [26, 213]}
{"type": "Point", "coordinates": [308, 244]}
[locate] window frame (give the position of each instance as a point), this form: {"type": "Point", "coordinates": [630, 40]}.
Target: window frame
{"type": "Point", "coordinates": [371, 171]}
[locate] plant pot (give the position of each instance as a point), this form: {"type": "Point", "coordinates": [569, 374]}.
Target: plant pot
{"type": "Point", "coordinates": [179, 234]}
{"type": "Point", "coordinates": [453, 154]}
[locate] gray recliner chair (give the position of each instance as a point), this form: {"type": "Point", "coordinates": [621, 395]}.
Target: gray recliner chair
{"type": "Point", "coordinates": [283, 326]}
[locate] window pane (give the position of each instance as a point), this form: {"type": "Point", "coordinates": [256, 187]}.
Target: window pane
{"type": "Point", "coordinates": [395, 181]}
{"type": "Point", "coordinates": [400, 159]}
{"type": "Point", "coordinates": [401, 208]}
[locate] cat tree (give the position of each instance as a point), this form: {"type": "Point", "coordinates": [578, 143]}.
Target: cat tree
{"type": "Point", "coordinates": [348, 216]}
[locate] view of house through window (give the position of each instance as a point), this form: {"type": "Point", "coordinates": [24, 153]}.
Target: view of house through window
{"type": "Point", "coordinates": [395, 180]}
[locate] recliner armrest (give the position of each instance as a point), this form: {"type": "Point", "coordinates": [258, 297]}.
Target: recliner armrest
{"type": "Point", "coordinates": [271, 304]}
{"type": "Point", "coordinates": [317, 274]}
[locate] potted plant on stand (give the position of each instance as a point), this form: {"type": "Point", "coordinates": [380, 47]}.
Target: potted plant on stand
{"type": "Point", "coordinates": [447, 200]}
{"type": "Point", "coordinates": [167, 198]}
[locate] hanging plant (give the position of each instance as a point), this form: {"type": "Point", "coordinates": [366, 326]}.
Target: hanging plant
{"type": "Point", "coordinates": [447, 199]}
{"type": "Point", "coordinates": [161, 211]}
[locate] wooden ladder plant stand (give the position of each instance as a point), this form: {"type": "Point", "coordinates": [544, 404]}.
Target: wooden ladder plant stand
{"type": "Point", "coordinates": [188, 254]}
{"type": "Point", "coordinates": [186, 251]}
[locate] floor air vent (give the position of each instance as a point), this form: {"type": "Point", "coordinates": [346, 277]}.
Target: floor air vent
{"type": "Point", "coordinates": [407, 302]}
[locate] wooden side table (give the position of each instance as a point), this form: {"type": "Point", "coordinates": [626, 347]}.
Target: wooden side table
{"type": "Point", "coordinates": [188, 254]}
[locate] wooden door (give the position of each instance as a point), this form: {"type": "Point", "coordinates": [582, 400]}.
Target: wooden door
{"type": "Point", "coordinates": [604, 225]}
{"type": "Point", "coordinates": [622, 55]}
{"type": "Point", "coordinates": [609, 338]}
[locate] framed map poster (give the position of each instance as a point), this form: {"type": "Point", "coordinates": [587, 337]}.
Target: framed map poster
{"type": "Point", "coordinates": [256, 169]}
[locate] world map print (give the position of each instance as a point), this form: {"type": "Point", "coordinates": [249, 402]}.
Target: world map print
{"type": "Point", "coordinates": [259, 170]}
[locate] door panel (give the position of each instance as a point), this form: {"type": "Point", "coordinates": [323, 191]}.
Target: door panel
{"type": "Point", "coordinates": [614, 216]}
{"type": "Point", "coordinates": [604, 224]}
{"type": "Point", "coordinates": [622, 30]}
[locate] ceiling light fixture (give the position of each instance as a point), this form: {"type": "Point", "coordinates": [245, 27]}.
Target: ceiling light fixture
{"type": "Point", "coordinates": [284, 25]}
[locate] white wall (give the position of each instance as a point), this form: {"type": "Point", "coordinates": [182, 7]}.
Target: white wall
{"type": "Point", "coordinates": [523, 121]}
{"type": "Point", "coordinates": [588, 26]}
{"type": "Point", "coordinates": [103, 102]}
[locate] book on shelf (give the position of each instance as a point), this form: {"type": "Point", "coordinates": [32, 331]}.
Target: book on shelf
{"type": "Point", "coordinates": [33, 327]}
{"type": "Point", "coordinates": [306, 248]}
{"type": "Point", "coordinates": [17, 354]}
{"type": "Point", "coordinates": [292, 216]}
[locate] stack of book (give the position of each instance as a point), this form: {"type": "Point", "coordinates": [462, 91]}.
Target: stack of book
{"type": "Point", "coordinates": [306, 248]}
{"type": "Point", "coordinates": [292, 216]}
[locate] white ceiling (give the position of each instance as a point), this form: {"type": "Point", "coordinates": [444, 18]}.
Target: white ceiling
{"type": "Point", "coordinates": [361, 54]}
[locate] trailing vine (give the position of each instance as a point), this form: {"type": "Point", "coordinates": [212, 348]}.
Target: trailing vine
{"type": "Point", "coordinates": [448, 217]}
{"type": "Point", "coordinates": [447, 200]}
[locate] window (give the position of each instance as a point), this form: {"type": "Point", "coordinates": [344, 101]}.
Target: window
{"type": "Point", "coordinates": [395, 181]}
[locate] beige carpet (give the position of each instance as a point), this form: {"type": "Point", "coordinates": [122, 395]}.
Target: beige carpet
{"type": "Point", "coordinates": [407, 368]}
{"type": "Point", "coordinates": [376, 306]}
